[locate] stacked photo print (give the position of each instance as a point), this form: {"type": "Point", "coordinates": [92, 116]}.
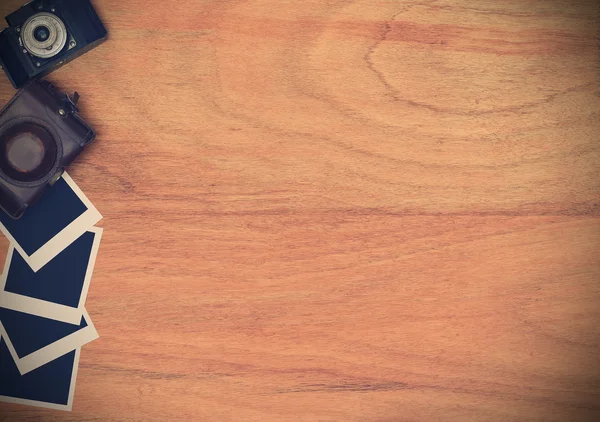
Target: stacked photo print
{"type": "Point", "coordinates": [43, 290]}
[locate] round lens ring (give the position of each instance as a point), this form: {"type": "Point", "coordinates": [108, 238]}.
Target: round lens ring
{"type": "Point", "coordinates": [28, 152]}
{"type": "Point", "coordinates": [44, 35]}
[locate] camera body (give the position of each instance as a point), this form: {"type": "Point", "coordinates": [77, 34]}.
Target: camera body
{"type": "Point", "coordinates": [41, 133]}
{"type": "Point", "coordinates": [44, 35]}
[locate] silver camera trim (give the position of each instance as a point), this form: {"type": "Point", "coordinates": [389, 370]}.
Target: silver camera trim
{"type": "Point", "coordinates": [56, 40]}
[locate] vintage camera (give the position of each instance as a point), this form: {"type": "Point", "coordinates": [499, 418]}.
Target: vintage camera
{"type": "Point", "coordinates": [40, 134]}
{"type": "Point", "coordinates": [43, 35]}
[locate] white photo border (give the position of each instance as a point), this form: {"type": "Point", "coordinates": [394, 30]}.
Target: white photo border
{"type": "Point", "coordinates": [54, 350]}
{"type": "Point", "coordinates": [46, 309]}
{"type": "Point", "coordinates": [65, 237]}
{"type": "Point", "coordinates": [55, 406]}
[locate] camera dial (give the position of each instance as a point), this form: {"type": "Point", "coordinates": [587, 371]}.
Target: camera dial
{"type": "Point", "coordinates": [44, 35]}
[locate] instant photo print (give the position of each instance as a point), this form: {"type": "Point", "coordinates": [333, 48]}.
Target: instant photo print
{"type": "Point", "coordinates": [59, 289]}
{"type": "Point", "coordinates": [51, 386]}
{"type": "Point", "coordinates": [59, 218]}
{"type": "Point", "coordinates": [34, 341]}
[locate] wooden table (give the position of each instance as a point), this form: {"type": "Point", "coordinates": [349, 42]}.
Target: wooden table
{"type": "Point", "coordinates": [341, 211]}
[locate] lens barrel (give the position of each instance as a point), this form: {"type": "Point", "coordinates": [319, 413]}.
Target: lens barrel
{"type": "Point", "coordinates": [27, 152]}
{"type": "Point", "coordinates": [44, 35]}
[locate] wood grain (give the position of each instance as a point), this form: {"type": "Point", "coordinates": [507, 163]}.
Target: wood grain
{"type": "Point", "coordinates": [341, 211]}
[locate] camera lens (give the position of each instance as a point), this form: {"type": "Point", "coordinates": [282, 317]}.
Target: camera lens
{"type": "Point", "coordinates": [27, 152]}
{"type": "Point", "coordinates": [44, 35]}
{"type": "Point", "coordinates": [41, 33]}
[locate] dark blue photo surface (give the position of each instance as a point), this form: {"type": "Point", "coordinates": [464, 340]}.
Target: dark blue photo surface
{"type": "Point", "coordinates": [29, 333]}
{"type": "Point", "coordinates": [59, 281]}
{"type": "Point", "coordinates": [55, 210]}
{"type": "Point", "coordinates": [50, 383]}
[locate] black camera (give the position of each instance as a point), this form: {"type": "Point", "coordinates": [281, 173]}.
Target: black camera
{"type": "Point", "coordinates": [40, 134]}
{"type": "Point", "coordinates": [43, 35]}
